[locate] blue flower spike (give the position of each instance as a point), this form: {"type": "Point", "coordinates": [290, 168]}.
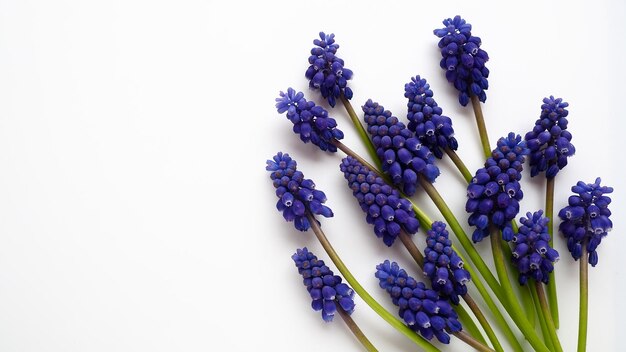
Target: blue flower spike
{"type": "Point", "coordinates": [326, 71]}
{"type": "Point", "coordinates": [296, 195]}
{"type": "Point", "coordinates": [463, 59]}
{"type": "Point", "coordinates": [532, 254]}
{"type": "Point", "coordinates": [549, 141]}
{"type": "Point", "coordinates": [585, 221]}
{"type": "Point", "coordinates": [426, 119]}
{"type": "Point", "coordinates": [310, 121]}
{"type": "Point", "coordinates": [326, 289]}
{"type": "Point", "coordinates": [422, 309]}
{"type": "Point", "coordinates": [443, 266]}
{"type": "Point", "coordinates": [383, 205]}
{"type": "Point", "coordinates": [401, 153]}
{"type": "Point", "coordinates": [494, 193]}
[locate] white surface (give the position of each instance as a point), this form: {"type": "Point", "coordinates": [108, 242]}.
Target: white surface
{"type": "Point", "coordinates": [135, 211]}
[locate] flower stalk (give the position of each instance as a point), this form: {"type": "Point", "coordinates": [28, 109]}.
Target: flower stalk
{"type": "Point", "coordinates": [583, 312]}
{"type": "Point", "coordinates": [361, 131]}
{"type": "Point", "coordinates": [480, 123]}
{"type": "Point", "coordinates": [551, 289]}
{"type": "Point", "coordinates": [548, 317]}
{"type": "Point", "coordinates": [365, 296]}
{"type": "Point", "coordinates": [358, 333]}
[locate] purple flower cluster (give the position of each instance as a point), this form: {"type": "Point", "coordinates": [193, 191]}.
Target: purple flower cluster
{"type": "Point", "coordinates": [533, 256]}
{"type": "Point", "coordinates": [425, 118]}
{"type": "Point", "coordinates": [385, 208]}
{"type": "Point", "coordinates": [549, 142]}
{"type": "Point", "coordinates": [296, 195]}
{"type": "Point", "coordinates": [494, 193]}
{"type": "Point", "coordinates": [585, 221]}
{"type": "Point", "coordinates": [422, 309]}
{"type": "Point", "coordinates": [326, 290]}
{"type": "Point", "coordinates": [401, 153]}
{"type": "Point", "coordinates": [310, 121]}
{"type": "Point", "coordinates": [326, 71]}
{"type": "Point", "coordinates": [463, 59]}
{"type": "Point", "coordinates": [443, 265]}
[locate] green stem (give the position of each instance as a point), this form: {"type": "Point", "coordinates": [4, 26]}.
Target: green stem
{"type": "Point", "coordinates": [358, 333]}
{"type": "Point", "coordinates": [464, 317]}
{"type": "Point", "coordinates": [365, 296]}
{"type": "Point", "coordinates": [548, 317]}
{"type": "Point", "coordinates": [361, 130]}
{"type": "Point", "coordinates": [584, 300]}
{"type": "Point", "coordinates": [495, 310]}
{"type": "Point", "coordinates": [462, 237]}
{"type": "Point", "coordinates": [542, 319]}
{"type": "Point", "coordinates": [552, 296]}
{"type": "Point", "coordinates": [463, 336]}
{"type": "Point", "coordinates": [480, 123]}
{"type": "Point", "coordinates": [460, 165]}
{"type": "Point", "coordinates": [483, 322]}
{"type": "Point", "coordinates": [516, 311]}
{"type": "Point", "coordinates": [525, 292]}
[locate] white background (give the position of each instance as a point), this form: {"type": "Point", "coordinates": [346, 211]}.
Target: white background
{"type": "Point", "coordinates": [135, 210]}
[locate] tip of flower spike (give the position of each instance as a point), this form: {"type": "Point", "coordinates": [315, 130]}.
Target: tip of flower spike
{"type": "Point", "coordinates": [326, 289]}
{"type": "Point", "coordinates": [297, 196]}
{"type": "Point", "coordinates": [326, 72]}
{"type": "Point", "coordinates": [310, 121]}
{"type": "Point", "coordinates": [463, 59]}
{"type": "Point", "coordinates": [586, 218]}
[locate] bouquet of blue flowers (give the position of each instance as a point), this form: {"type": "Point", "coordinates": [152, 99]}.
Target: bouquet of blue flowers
{"type": "Point", "coordinates": [519, 298]}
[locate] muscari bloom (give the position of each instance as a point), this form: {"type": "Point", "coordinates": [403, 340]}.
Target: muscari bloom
{"type": "Point", "coordinates": [326, 290]}
{"type": "Point", "coordinates": [532, 254]}
{"type": "Point", "coordinates": [463, 59]}
{"type": "Point", "coordinates": [310, 121]}
{"type": "Point", "coordinates": [549, 142]}
{"type": "Point", "coordinates": [385, 208]}
{"type": "Point", "coordinates": [422, 309]}
{"type": "Point", "coordinates": [425, 118]}
{"type": "Point", "coordinates": [494, 193]}
{"type": "Point", "coordinates": [401, 153]}
{"type": "Point", "coordinates": [296, 195]}
{"type": "Point", "coordinates": [442, 264]}
{"type": "Point", "coordinates": [326, 71]}
{"type": "Point", "coordinates": [585, 221]}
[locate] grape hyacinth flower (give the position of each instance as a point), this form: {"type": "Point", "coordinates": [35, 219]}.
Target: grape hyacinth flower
{"type": "Point", "coordinates": [422, 309]}
{"type": "Point", "coordinates": [326, 290]}
{"type": "Point", "coordinates": [326, 71]}
{"type": "Point", "coordinates": [585, 221]}
{"type": "Point", "coordinates": [310, 121]}
{"type": "Point", "coordinates": [296, 195]}
{"type": "Point", "coordinates": [385, 208]}
{"type": "Point", "coordinates": [463, 59]}
{"type": "Point", "coordinates": [532, 254]}
{"type": "Point", "coordinates": [442, 264]}
{"type": "Point", "coordinates": [426, 118]}
{"type": "Point", "coordinates": [494, 193]}
{"type": "Point", "coordinates": [402, 155]}
{"type": "Point", "coordinates": [549, 142]}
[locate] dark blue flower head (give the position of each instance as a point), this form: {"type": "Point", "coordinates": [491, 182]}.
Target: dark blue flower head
{"type": "Point", "coordinates": [463, 59]}
{"type": "Point", "coordinates": [442, 264]}
{"type": "Point", "coordinates": [494, 193]}
{"type": "Point", "coordinates": [385, 208]}
{"type": "Point", "coordinates": [549, 142]}
{"type": "Point", "coordinates": [425, 118]}
{"type": "Point", "coordinates": [585, 221]}
{"type": "Point", "coordinates": [401, 153]}
{"type": "Point", "coordinates": [310, 121]}
{"type": "Point", "coordinates": [422, 309]}
{"type": "Point", "coordinates": [326, 71]}
{"type": "Point", "coordinates": [296, 195]}
{"type": "Point", "coordinates": [326, 290]}
{"type": "Point", "coordinates": [532, 255]}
